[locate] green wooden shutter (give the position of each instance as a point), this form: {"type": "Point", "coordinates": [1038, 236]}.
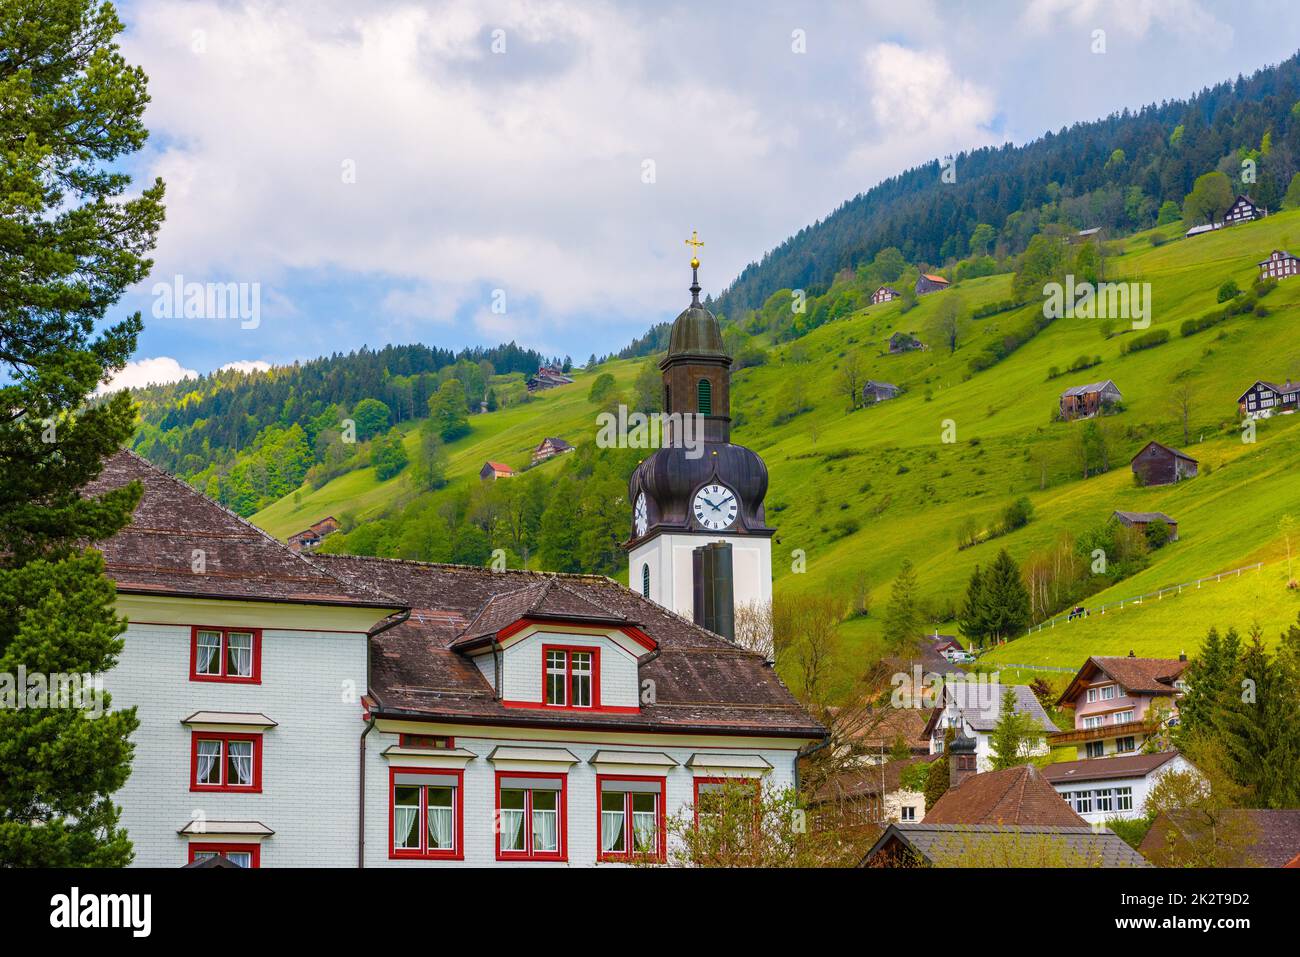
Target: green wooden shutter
{"type": "Point", "coordinates": [705, 404]}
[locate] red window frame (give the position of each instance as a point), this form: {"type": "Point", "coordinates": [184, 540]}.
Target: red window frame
{"type": "Point", "coordinates": [457, 853]}
{"type": "Point", "coordinates": [561, 819]}
{"type": "Point", "coordinates": [594, 651]}
{"type": "Point", "coordinates": [756, 783]}
{"type": "Point", "coordinates": [254, 679]}
{"type": "Point", "coordinates": [225, 738]}
{"type": "Point", "coordinates": [254, 851]}
{"type": "Point", "coordinates": [629, 855]}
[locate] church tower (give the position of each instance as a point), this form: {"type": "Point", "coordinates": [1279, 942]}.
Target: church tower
{"type": "Point", "coordinates": [700, 544]}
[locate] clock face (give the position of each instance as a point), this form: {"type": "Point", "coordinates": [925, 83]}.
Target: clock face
{"type": "Point", "coordinates": [715, 507]}
{"type": "Point", "coordinates": [641, 515]}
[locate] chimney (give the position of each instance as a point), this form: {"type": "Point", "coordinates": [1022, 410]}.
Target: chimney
{"type": "Point", "coordinates": [961, 760]}
{"type": "Point", "coordinates": [715, 603]}
{"type": "Point", "coordinates": [1182, 656]}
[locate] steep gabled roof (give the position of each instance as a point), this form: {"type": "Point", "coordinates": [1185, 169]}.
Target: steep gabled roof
{"type": "Point", "coordinates": [1143, 518]}
{"type": "Point", "coordinates": [181, 543]}
{"type": "Point", "coordinates": [980, 706]}
{"type": "Point", "coordinates": [1090, 388]}
{"type": "Point", "coordinates": [1172, 451]}
{"type": "Point", "coordinates": [1020, 796]}
{"type": "Point", "coordinates": [548, 600]}
{"type": "Point", "coordinates": [702, 682]}
{"type": "Point", "coordinates": [1140, 675]}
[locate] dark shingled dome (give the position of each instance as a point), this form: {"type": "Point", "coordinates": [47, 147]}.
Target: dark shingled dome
{"type": "Point", "coordinates": [695, 332]}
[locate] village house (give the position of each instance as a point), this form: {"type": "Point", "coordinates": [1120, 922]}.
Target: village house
{"type": "Point", "coordinates": [1012, 816]}
{"type": "Point", "coordinates": [1262, 399]}
{"type": "Point", "coordinates": [884, 294]}
{"type": "Point", "coordinates": [342, 711]}
{"type": "Point", "coordinates": [1203, 228]}
{"type": "Point", "coordinates": [1112, 788]}
{"type": "Point", "coordinates": [1279, 265]}
{"type": "Point", "coordinates": [930, 282]}
{"type": "Point", "coordinates": [871, 796]}
{"type": "Point", "coordinates": [901, 342]}
{"type": "Point", "coordinates": [1120, 702]}
{"type": "Point", "coordinates": [948, 647]}
{"type": "Point", "coordinates": [1095, 234]}
{"type": "Point", "coordinates": [972, 708]}
{"type": "Point", "coordinates": [1140, 521]}
{"type": "Point", "coordinates": [1243, 210]}
{"type": "Point", "coordinates": [548, 377]}
{"type": "Point", "coordinates": [549, 448]}
{"type": "Point", "coordinates": [1242, 837]}
{"type": "Point", "coordinates": [874, 391]}
{"type": "Point", "coordinates": [311, 536]}
{"type": "Point", "coordinates": [1085, 401]}
{"type": "Point", "coordinates": [1158, 464]}
{"type": "Point", "coordinates": [491, 471]}
{"type": "Point", "coordinates": [868, 734]}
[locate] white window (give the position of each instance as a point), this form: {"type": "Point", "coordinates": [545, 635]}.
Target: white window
{"type": "Point", "coordinates": [1083, 802]}
{"type": "Point", "coordinates": [1123, 717]}
{"type": "Point", "coordinates": [529, 816]}
{"type": "Point", "coordinates": [424, 815]}
{"type": "Point", "coordinates": [238, 858]}
{"type": "Point", "coordinates": [1124, 799]}
{"type": "Point", "coordinates": [209, 657]}
{"type": "Point", "coordinates": [1095, 749]}
{"type": "Point", "coordinates": [239, 654]}
{"type": "Point", "coordinates": [570, 677]}
{"type": "Point", "coordinates": [1094, 721]}
{"type": "Point", "coordinates": [1105, 799]}
{"type": "Point", "coordinates": [907, 813]}
{"type": "Point", "coordinates": [1108, 692]}
{"type": "Point", "coordinates": [629, 818]}
{"type": "Point", "coordinates": [1125, 745]}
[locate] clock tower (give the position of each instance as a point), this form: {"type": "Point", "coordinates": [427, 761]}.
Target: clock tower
{"type": "Point", "coordinates": [699, 489]}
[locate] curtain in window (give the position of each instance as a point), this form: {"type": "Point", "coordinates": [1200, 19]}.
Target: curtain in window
{"type": "Point", "coordinates": [440, 818]}
{"type": "Point", "coordinates": [241, 762]}
{"type": "Point", "coordinates": [209, 656]}
{"type": "Point", "coordinates": [611, 831]}
{"type": "Point", "coordinates": [241, 858]}
{"type": "Point", "coordinates": [239, 655]}
{"type": "Point", "coordinates": [644, 823]}
{"type": "Point", "coordinates": [544, 835]}
{"type": "Point", "coordinates": [512, 820]}
{"type": "Point", "coordinates": [406, 814]}
{"type": "Point", "coordinates": [209, 754]}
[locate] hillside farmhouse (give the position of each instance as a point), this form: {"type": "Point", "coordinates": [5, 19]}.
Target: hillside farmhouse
{"type": "Point", "coordinates": [972, 709]}
{"type": "Point", "coordinates": [1140, 521]}
{"type": "Point", "coordinates": [1120, 702]}
{"type": "Point", "coordinates": [874, 391]}
{"type": "Point", "coordinates": [549, 448]}
{"type": "Point", "coordinates": [548, 377]}
{"type": "Point", "coordinates": [1085, 401]}
{"type": "Point", "coordinates": [1117, 787]}
{"type": "Point", "coordinates": [901, 342]}
{"type": "Point", "coordinates": [930, 282]}
{"type": "Point", "coordinates": [311, 536]}
{"type": "Point", "coordinates": [1158, 464]}
{"type": "Point", "coordinates": [491, 471]}
{"type": "Point", "coordinates": [1279, 265]}
{"type": "Point", "coordinates": [1243, 210]}
{"type": "Point", "coordinates": [1095, 234]}
{"type": "Point", "coordinates": [1204, 228]}
{"type": "Point", "coordinates": [884, 294]}
{"type": "Point", "coordinates": [1262, 399]}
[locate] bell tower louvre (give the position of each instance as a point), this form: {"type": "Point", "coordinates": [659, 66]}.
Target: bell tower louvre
{"type": "Point", "coordinates": [707, 494]}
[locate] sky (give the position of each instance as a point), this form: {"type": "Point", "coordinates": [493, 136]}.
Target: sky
{"type": "Point", "coordinates": [472, 172]}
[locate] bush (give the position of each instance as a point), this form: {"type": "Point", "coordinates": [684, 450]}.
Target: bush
{"type": "Point", "coordinates": [1148, 340]}
{"type": "Point", "coordinates": [1017, 515]}
{"type": "Point", "coordinates": [1192, 326]}
{"type": "Point", "coordinates": [1229, 290]}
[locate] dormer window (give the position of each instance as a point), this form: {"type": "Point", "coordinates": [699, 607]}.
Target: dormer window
{"type": "Point", "coordinates": [570, 677]}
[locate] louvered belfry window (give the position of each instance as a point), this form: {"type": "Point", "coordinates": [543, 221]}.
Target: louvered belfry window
{"type": "Point", "coordinates": [705, 404]}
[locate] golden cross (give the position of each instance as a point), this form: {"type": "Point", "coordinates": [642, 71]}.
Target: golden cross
{"type": "Point", "coordinates": [695, 243]}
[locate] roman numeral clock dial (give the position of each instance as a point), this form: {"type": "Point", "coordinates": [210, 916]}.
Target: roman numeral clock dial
{"type": "Point", "coordinates": [715, 507]}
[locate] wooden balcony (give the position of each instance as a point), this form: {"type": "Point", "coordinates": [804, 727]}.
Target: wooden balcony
{"type": "Point", "coordinates": [1104, 732]}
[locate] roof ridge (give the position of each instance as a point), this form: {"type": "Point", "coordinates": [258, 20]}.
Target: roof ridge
{"type": "Point", "coordinates": [269, 539]}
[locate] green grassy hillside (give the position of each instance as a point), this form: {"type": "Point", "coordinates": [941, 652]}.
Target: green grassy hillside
{"type": "Point", "coordinates": [859, 491]}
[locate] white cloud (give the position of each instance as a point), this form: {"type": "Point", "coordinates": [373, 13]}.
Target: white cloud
{"type": "Point", "coordinates": [143, 372]}
{"type": "Point", "coordinates": [247, 365]}
{"type": "Point", "coordinates": [1134, 18]}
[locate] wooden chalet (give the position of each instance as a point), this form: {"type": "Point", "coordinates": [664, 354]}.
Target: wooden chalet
{"type": "Point", "coordinates": [311, 536]}
{"type": "Point", "coordinates": [1243, 210]}
{"type": "Point", "coordinates": [884, 294]}
{"type": "Point", "coordinates": [1264, 398]}
{"type": "Point", "coordinates": [548, 377]}
{"type": "Point", "coordinates": [929, 282]}
{"type": "Point", "coordinates": [1084, 401]}
{"type": "Point", "coordinates": [901, 342]}
{"type": "Point", "coordinates": [491, 471]}
{"type": "Point", "coordinates": [550, 447]}
{"type": "Point", "coordinates": [1158, 464]}
{"type": "Point", "coordinates": [1204, 228]}
{"type": "Point", "coordinates": [1279, 265]}
{"type": "Point", "coordinates": [1141, 520]}
{"type": "Point", "coordinates": [879, 391]}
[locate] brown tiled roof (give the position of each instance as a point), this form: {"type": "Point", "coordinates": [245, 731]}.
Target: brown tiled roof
{"type": "Point", "coordinates": [1142, 675]}
{"type": "Point", "coordinates": [931, 841]}
{"type": "Point", "coordinates": [550, 599]}
{"type": "Point", "coordinates": [874, 728]}
{"type": "Point", "coordinates": [155, 554]}
{"type": "Point", "coordinates": [867, 780]}
{"type": "Point", "coordinates": [1018, 795]}
{"type": "Point", "coordinates": [703, 682]}
{"type": "Point", "coordinates": [1105, 769]}
{"type": "Point", "coordinates": [1272, 836]}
